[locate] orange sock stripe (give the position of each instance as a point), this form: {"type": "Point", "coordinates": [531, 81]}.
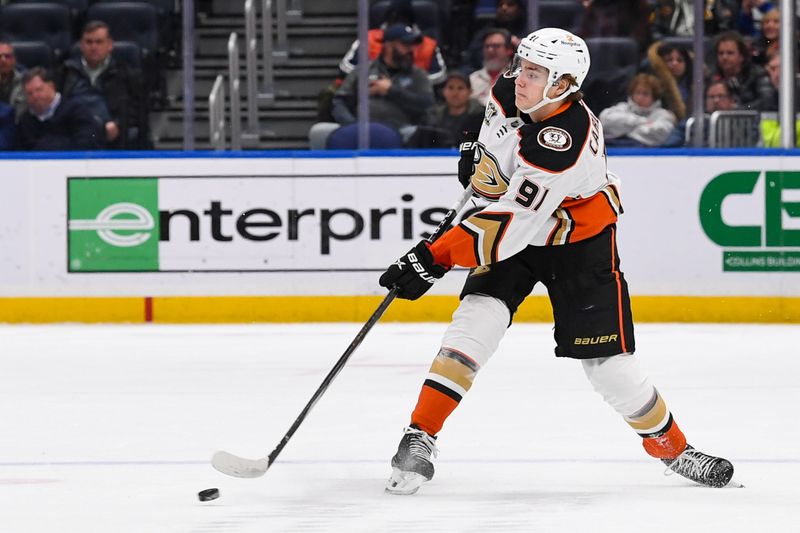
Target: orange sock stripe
{"type": "Point", "coordinates": [667, 446]}
{"type": "Point", "coordinates": [433, 408]}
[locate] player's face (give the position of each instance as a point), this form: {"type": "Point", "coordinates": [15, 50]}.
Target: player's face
{"type": "Point", "coordinates": [530, 84]}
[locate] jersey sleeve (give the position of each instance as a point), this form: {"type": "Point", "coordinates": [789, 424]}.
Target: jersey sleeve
{"type": "Point", "coordinates": [501, 230]}
{"type": "Point", "coordinates": [545, 174]}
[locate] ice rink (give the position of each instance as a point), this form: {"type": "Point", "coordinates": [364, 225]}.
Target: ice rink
{"type": "Point", "coordinates": [110, 429]}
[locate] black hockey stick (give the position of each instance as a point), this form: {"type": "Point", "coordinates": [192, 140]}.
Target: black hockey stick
{"type": "Point", "coordinates": [235, 466]}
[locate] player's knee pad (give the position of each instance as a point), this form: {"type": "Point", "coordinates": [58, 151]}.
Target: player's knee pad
{"type": "Point", "coordinates": [477, 327]}
{"type": "Point", "coordinates": [621, 381]}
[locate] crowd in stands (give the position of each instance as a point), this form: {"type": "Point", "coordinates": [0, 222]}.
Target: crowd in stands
{"type": "Point", "coordinates": [81, 75]}
{"type": "Point", "coordinates": [640, 85]}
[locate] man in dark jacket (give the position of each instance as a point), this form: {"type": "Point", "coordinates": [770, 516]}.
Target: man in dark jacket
{"type": "Point", "coordinates": [53, 122]}
{"type": "Point", "coordinates": [99, 76]}
{"type": "Point", "coordinates": [399, 92]}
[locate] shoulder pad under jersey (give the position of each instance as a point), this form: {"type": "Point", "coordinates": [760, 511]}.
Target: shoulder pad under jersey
{"type": "Point", "coordinates": [503, 94]}
{"type": "Point", "coordinates": [555, 144]}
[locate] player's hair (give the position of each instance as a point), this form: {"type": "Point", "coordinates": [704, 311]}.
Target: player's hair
{"type": "Point", "coordinates": [577, 96]}
{"type": "Point", "coordinates": [649, 81]}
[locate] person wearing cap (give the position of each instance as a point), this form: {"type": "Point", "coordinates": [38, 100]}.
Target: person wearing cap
{"type": "Point", "coordinates": [445, 123]}
{"type": "Point", "coordinates": [399, 91]}
{"type": "Point", "coordinates": [427, 56]}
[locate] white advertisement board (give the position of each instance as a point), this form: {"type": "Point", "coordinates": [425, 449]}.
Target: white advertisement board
{"type": "Point", "coordinates": [715, 226]}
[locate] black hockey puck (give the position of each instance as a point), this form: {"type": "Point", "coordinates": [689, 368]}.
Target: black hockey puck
{"type": "Point", "coordinates": [208, 495]}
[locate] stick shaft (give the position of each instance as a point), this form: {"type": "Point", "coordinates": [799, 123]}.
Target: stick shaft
{"type": "Point", "coordinates": [376, 315]}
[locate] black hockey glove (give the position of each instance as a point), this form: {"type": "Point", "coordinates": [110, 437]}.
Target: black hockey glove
{"type": "Point", "coordinates": [414, 273]}
{"type": "Point", "coordinates": [466, 164]}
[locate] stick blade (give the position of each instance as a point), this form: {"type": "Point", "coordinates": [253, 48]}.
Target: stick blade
{"type": "Point", "coordinates": [235, 466]}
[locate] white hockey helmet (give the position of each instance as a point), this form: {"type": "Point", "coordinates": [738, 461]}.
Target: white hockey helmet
{"type": "Point", "coordinates": [560, 52]}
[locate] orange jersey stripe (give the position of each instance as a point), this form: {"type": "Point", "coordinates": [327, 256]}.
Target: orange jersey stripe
{"type": "Point", "coordinates": [589, 216]}
{"type": "Point", "coordinates": [455, 247]}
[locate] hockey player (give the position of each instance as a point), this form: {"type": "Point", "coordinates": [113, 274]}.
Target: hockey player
{"type": "Point", "coordinates": [540, 156]}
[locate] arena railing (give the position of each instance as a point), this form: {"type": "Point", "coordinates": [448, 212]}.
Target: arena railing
{"type": "Point", "coordinates": [216, 113]}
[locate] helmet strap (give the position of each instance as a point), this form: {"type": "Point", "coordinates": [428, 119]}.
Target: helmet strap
{"type": "Point", "coordinates": [547, 100]}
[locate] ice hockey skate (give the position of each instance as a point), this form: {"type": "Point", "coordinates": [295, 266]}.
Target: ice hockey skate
{"type": "Point", "coordinates": [411, 465]}
{"type": "Point", "coordinates": [702, 468]}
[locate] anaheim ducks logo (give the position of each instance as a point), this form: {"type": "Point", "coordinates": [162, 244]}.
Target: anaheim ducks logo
{"type": "Point", "coordinates": [487, 179]}
{"type": "Point", "coordinates": [555, 139]}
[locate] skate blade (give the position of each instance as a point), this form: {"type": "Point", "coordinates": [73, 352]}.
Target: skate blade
{"type": "Point", "coordinates": [735, 484]}
{"type": "Point", "coordinates": [404, 483]}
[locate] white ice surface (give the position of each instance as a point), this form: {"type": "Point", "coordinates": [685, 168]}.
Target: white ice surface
{"type": "Point", "coordinates": [110, 428]}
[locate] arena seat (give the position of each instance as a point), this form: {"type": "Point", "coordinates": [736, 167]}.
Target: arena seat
{"type": "Point", "coordinates": [165, 11]}
{"type": "Point", "coordinates": [129, 21]}
{"type": "Point", "coordinates": [33, 54]}
{"type": "Point", "coordinates": [426, 15]}
{"type": "Point", "coordinates": [564, 14]}
{"type": "Point", "coordinates": [380, 136]}
{"type": "Point", "coordinates": [614, 63]}
{"type": "Point", "coordinates": [76, 7]}
{"type": "Point", "coordinates": [38, 22]}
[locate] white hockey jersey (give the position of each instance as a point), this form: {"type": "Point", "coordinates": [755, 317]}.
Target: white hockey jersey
{"type": "Point", "coordinates": [548, 180]}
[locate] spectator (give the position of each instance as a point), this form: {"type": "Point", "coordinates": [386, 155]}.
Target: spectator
{"type": "Point", "coordinates": [427, 55]}
{"type": "Point", "coordinates": [510, 15]}
{"type": "Point", "coordinates": [769, 126]}
{"type": "Point", "coordinates": [719, 98]}
{"type": "Point", "coordinates": [617, 18]}
{"type": "Point", "coordinates": [444, 124]}
{"type": "Point", "coordinates": [117, 90]}
{"type": "Point", "coordinates": [55, 123]}
{"type": "Point", "coordinates": [399, 91]}
{"type": "Point", "coordinates": [773, 69]}
{"type": "Point", "coordinates": [676, 17]}
{"type": "Point", "coordinates": [751, 15]}
{"type": "Point", "coordinates": [748, 82]}
{"type": "Point", "coordinates": [641, 121]}
{"type": "Point", "coordinates": [7, 126]}
{"type": "Point", "coordinates": [768, 39]}
{"type": "Point", "coordinates": [497, 54]}
{"type": "Point", "coordinates": [11, 80]}
{"type": "Point", "coordinates": [672, 65]}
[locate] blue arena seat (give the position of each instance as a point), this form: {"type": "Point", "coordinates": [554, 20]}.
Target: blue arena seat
{"type": "Point", "coordinates": [426, 15]}
{"type": "Point", "coordinates": [380, 136]}
{"type": "Point", "coordinates": [560, 14]}
{"type": "Point", "coordinates": [165, 11]}
{"type": "Point", "coordinates": [614, 63]}
{"type": "Point", "coordinates": [38, 22]}
{"type": "Point", "coordinates": [129, 21]}
{"type": "Point", "coordinates": [33, 54]}
{"type": "Point", "coordinates": [76, 7]}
